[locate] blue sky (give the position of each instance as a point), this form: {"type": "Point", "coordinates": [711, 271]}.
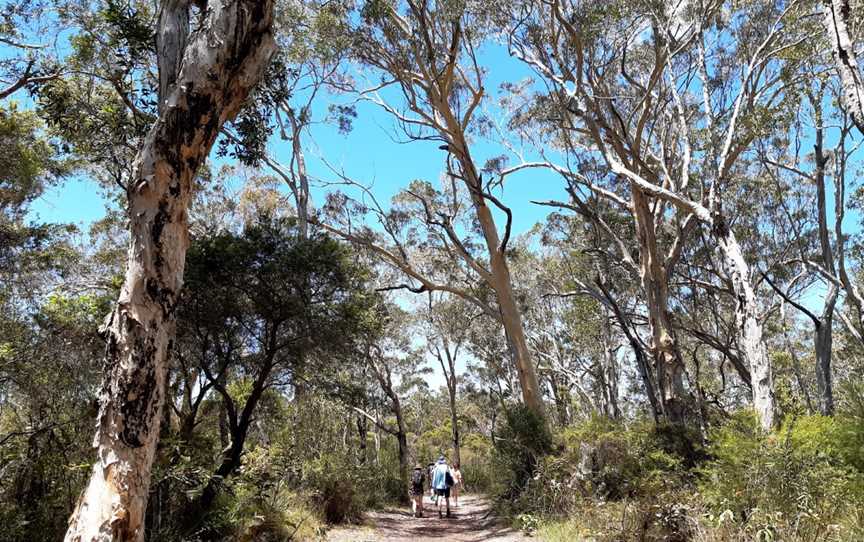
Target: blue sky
{"type": "Point", "coordinates": [370, 154]}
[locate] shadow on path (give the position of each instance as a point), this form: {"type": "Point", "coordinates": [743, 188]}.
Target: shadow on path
{"type": "Point", "coordinates": [472, 521]}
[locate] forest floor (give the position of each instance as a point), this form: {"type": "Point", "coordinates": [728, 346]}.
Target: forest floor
{"type": "Point", "coordinates": [472, 521]}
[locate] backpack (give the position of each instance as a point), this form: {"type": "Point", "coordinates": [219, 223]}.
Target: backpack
{"type": "Point", "coordinates": [417, 480]}
{"type": "Point", "coordinates": [448, 478]}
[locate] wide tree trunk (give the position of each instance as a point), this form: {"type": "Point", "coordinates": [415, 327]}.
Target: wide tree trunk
{"type": "Point", "coordinates": [224, 59]}
{"type": "Point", "coordinates": [668, 365]}
{"type": "Point", "coordinates": [750, 332]}
{"type": "Point", "coordinates": [511, 316]}
{"type": "Point", "coordinates": [836, 21]}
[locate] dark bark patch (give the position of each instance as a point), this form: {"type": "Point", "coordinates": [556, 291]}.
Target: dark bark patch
{"type": "Point", "coordinates": [159, 221]}
{"type": "Point", "coordinates": [153, 289]}
{"type": "Point", "coordinates": [720, 229]}
{"type": "Point", "coordinates": [135, 393]}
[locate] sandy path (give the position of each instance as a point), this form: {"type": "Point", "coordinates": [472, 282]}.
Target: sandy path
{"type": "Point", "coordinates": [472, 521]}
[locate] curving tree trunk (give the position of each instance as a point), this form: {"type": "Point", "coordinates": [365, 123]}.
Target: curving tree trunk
{"type": "Point", "coordinates": [209, 75]}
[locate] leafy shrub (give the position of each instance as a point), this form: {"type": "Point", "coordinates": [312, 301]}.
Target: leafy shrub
{"type": "Point", "coordinates": [792, 483]}
{"type": "Point", "coordinates": [612, 460]}
{"type": "Point", "coordinates": [522, 441]}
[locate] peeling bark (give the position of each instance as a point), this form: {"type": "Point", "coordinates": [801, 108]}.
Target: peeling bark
{"type": "Point", "coordinates": [836, 21]}
{"type": "Point", "coordinates": [750, 337]}
{"type": "Point", "coordinates": [668, 365]}
{"type": "Point", "coordinates": [223, 60]}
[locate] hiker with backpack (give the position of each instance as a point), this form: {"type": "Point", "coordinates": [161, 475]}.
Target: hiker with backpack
{"type": "Point", "coordinates": [418, 480]}
{"type": "Point", "coordinates": [442, 481]}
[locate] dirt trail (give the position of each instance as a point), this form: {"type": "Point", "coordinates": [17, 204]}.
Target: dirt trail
{"type": "Point", "coordinates": [472, 521]}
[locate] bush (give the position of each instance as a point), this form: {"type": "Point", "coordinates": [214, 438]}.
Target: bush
{"type": "Point", "coordinates": [790, 484]}
{"type": "Point", "coordinates": [614, 461]}
{"type": "Point", "coordinates": [522, 441]}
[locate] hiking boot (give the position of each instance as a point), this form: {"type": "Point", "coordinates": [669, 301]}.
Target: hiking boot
{"type": "Point", "coordinates": [439, 514]}
{"type": "Point", "coordinates": [448, 514]}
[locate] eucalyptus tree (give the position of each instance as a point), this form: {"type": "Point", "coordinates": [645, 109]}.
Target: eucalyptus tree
{"type": "Point", "coordinates": [313, 39]}
{"type": "Point", "coordinates": [566, 329]}
{"type": "Point", "coordinates": [665, 101]}
{"type": "Point", "coordinates": [447, 324]}
{"type": "Point", "coordinates": [426, 53]}
{"type": "Point", "coordinates": [205, 76]}
{"type": "Point", "coordinates": [395, 370]}
{"type": "Point", "coordinates": [594, 262]}
{"type": "Point", "coordinates": [26, 61]}
{"type": "Point", "coordinates": [822, 253]}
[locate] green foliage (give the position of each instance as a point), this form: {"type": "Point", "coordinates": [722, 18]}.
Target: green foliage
{"type": "Point", "coordinates": [28, 161]}
{"type": "Point", "coordinates": [611, 481]}
{"type": "Point", "coordinates": [796, 482]}
{"type": "Point", "coordinates": [523, 441]}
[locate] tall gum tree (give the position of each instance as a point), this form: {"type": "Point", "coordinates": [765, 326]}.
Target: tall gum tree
{"type": "Point", "coordinates": [640, 106]}
{"type": "Point", "coordinates": [208, 74]}
{"type": "Point", "coordinates": [424, 51]}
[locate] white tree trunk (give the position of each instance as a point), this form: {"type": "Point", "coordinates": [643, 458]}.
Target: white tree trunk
{"type": "Point", "coordinates": [750, 336]}
{"type": "Point", "coordinates": [223, 60]}
{"type": "Point", "coordinates": [837, 14]}
{"type": "Point", "coordinates": [511, 316]}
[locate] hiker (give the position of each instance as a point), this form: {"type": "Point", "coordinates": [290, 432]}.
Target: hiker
{"type": "Point", "coordinates": [418, 480]}
{"type": "Point", "coordinates": [457, 484]}
{"type": "Point", "coordinates": [442, 481]}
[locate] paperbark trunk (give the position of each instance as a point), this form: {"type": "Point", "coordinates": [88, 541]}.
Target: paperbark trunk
{"type": "Point", "coordinates": [836, 21]}
{"type": "Point", "coordinates": [750, 335]}
{"type": "Point", "coordinates": [223, 60]}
